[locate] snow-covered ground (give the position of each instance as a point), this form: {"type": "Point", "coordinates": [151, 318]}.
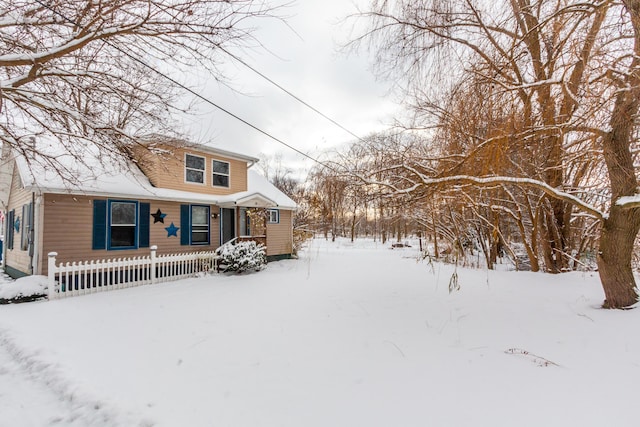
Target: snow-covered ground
{"type": "Point", "coordinates": [348, 335]}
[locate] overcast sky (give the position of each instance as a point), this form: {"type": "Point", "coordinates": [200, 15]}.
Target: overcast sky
{"type": "Point", "coordinates": [307, 63]}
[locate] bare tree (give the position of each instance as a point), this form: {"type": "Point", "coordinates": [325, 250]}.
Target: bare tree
{"type": "Point", "coordinates": [83, 74]}
{"type": "Point", "coordinates": [568, 73]}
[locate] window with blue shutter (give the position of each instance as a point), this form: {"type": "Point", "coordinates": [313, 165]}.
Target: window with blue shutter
{"type": "Point", "coordinates": [195, 225]}
{"type": "Point", "coordinates": [120, 224]}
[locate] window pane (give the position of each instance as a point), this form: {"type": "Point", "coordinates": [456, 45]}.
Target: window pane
{"type": "Point", "coordinates": [195, 176]}
{"type": "Point", "coordinates": [199, 237]}
{"type": "Point", "coordinates": [195, 162]}
{"type": "Point", "coordinates": [123, 213]}
{"type": "Point", "coordinates": [123, 237]}
{"type": "Point", "coordinates": [200, 215]}
{"type": "Point", "coordinates": [220, 167]}
{"type": "Point", "coordinates": [220, 180]}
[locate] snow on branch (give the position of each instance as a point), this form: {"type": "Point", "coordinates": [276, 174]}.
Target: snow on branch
{"type": "Point", "coordinates": [629, 202]}
{"type": "Point", "coordinates": [425, 181]}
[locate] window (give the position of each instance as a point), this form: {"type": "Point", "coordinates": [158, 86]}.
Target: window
{"type": "Point", "coordinates": [199, 225]}
{"type": "Point", "coordinates": [220, 177]}
{"type": "Point", "coordinates": [194, 168]}
{"type": "Point", "coordinates": [245, 222]}
{"type": "Point", "coordinates": [122, 225]}
{"type": "Point", "coordinates": [274, 216]}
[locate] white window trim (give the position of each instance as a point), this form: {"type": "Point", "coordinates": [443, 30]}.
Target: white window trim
{"type": "Point", "coordinates": [217, 173]}
{"type": "Point", "coordinates": [135, 224]}
{"type": "Point", "coordinates": [208, 224]}
{"type": "Point", "coordinates": [204, 171]}
{"type": "Point", "coordinates": [277, 212]}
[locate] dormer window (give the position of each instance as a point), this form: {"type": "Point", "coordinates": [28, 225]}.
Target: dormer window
{"type": "Point", "coordinates": [194, 169]}
{"type": "Point", "coordinates": [220, 177]}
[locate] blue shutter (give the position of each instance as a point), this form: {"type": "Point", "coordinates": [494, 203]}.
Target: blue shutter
{"type": "Point", "coordinates": [26, 227]}
{"type": "Point", "coordinates": [99, 224]}
{"type": "Point", "coordinates": [11, 216]}
{"type": "Point", "coordinates": [143, 226]}
{"type": "Point", "coordinates": [185, 225]}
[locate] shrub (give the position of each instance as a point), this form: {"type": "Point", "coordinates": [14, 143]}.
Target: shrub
{"type": "Point", "coordinates": [242, 256]}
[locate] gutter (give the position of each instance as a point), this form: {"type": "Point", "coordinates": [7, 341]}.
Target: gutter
{"type": "Point", "coordinates": [172, 198]}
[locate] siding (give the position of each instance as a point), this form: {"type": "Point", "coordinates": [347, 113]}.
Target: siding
{"type": "Point", "coordinates": [279, 236]}
{"type": "Point", "coordinates": [68, 226]}
{"type": "Point", "coordinates": [17, 258]}
{"type": "Point", "coordinates": [170, 172]}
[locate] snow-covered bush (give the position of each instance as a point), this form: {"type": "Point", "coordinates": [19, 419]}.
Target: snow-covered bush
{"type": "Point", "coordinates": [242, 256]}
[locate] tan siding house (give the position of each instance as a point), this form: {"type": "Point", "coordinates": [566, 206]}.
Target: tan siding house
{"type": "Point", "coordinates": [182, 198]}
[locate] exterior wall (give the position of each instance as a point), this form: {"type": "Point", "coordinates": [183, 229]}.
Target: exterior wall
{"type": "Point", "coordinates": [17, 262]}
{"type": "Point", "coordinates": [169, 172]}
{"type": "Point", "coordinates": [68, 230]}
{"type": "Point", "coordinates": [279, 236]}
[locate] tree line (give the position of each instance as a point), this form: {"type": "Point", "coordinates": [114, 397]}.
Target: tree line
{"type": "Point", "coordinates": [522, 135]}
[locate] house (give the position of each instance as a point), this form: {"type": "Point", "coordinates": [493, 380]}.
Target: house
{"type": "Point", "coordinates": [179, 197]}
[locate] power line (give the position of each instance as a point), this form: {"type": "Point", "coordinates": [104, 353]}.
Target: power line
{"type": "Point", "coordinates": [191, 91]}
{"type": "Point", "coordinates": [279, 86]}
{"type": "Point", "coordinates": [288, 92]}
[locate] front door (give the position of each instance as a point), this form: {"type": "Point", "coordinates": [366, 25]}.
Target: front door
{"type": "Point", "coordinates": [227, 225]}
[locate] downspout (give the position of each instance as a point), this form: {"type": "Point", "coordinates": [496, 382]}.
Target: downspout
{"type": "Point", "coordinates": [4, 246]}
{"type": "Point", "coordinates": [31, 232]}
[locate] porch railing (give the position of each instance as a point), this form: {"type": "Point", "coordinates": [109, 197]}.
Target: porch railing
{"type": "Point", "coordinates": [79, 278]}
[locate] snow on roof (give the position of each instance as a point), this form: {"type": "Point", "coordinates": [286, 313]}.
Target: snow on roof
{"type": "Point", "coordinates": [100, 175]}
{"type": "Point", "coordinates": [258, 187]}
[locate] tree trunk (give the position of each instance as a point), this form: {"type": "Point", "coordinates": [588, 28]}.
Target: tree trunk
{"type": "Point", "coordinates": [614, 258]}
{"type": "Point", "coordinates": [353, 226]}
{"type": "Point", "coordinates": [621, 227]}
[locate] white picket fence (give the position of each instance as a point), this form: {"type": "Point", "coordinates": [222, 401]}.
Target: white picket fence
{"type": "Point", "coordinates": [80, 278]}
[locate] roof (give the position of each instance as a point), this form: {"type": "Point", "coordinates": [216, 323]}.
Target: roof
{"type": "Point", "coordinates": [260, 193]}
{"type": "Point", "coordinates": [105, 176]}
{"type": "Point", "coordinates": [152, 140]}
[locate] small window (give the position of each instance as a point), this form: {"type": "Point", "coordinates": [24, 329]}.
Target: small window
{"type": "Point", "coordinates": [199, 225]}
{"type": "Point", "coordinates": [245, 222]}
{"type": "Point", "coordinates": [274, 216]}
{"type": "Point", "coordinates": [122, 225]}
{"type": "Point", "coordinates": [220, 177]}
{"type": "Point", "coordinates": [194, 168]}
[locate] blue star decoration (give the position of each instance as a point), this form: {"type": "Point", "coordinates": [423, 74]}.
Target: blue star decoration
{"type": "Point", "coordinates": [172, 230]}
{"type": "Point", "coordinates": [158, 216]}
{"type": "Point", "coordinates": [16, 224]}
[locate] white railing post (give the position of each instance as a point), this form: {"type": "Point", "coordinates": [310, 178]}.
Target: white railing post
{"type": "Point", "coordinates": [153, 248]}
{"type": "Point", "coordinates": [51, 271]}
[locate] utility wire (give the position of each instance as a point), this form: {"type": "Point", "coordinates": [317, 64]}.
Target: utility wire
{"type": "Point", "coordinates": [288, 92]}
{"type": "Point", "coordinates": [191, 91]}
{"type": "Point", "coordinates": [279, 86]}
